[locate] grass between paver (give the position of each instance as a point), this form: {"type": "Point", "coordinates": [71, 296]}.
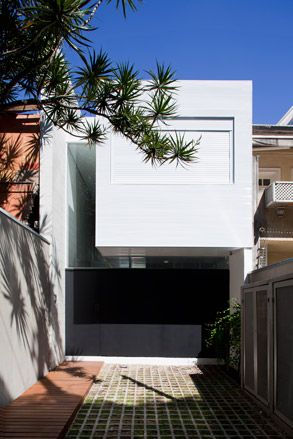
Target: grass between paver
{"type": "Point", "coordinates": [166, 403]}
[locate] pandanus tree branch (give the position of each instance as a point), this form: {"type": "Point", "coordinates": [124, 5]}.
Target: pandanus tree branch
{"type": "Point", "coordinates": [36, 75]}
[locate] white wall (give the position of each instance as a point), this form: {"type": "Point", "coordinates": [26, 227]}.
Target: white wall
{"type": "Point", "coordinates": [30, 334]}
{"type": "Point", "coordinates": [240, 264]}
{"type": "Point", "coordinates": [208, 205]}
{"type": "Point", "coordinates": [53, 158]}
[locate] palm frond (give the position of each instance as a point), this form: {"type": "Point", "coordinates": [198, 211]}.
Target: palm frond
{"type": "Point", "coordinates": [93, 132]}
{"type": "Point", "coordinates": [124, 4]}
{"type": "Point", "coordinates": [162, 80]}
{"type": "Point", "coordinates": [97, 67]}
{"type": "Point", "coordinates": [127, 85]}
{"type": "Point", "coordinates": [181, 151]}
{"type": "Point", "coordinates": [161, 106]}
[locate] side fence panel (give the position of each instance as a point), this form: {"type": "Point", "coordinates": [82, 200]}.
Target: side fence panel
{"type": "Point", "coordinates": [267, 343]}
{"type": "Point", "coordinates": [249, 341]}
{"type": "Point", "coordinates": [283, 300]}
{"type": "Point", "coordinates": [255, 340]}
{"type": "Point", "coordinates": [262, 337]}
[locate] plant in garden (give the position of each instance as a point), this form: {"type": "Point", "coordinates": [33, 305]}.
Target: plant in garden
{"type": "Point", "coordinates": [36, 75]}
{"type": "Point", "coordinates": [224, 335]}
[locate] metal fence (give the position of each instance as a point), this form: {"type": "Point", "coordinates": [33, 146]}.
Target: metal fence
{"type": "Point", "coordinates": [267, 339]}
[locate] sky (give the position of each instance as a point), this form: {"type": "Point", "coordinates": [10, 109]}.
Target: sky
{"type": "Point", "coordinates": [209, 39]}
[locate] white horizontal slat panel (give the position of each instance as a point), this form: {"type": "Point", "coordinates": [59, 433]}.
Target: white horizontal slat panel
{"type": "Point", "coordinates": [159, 211]}
{"type": "Point", "coordinates": [214, 164]}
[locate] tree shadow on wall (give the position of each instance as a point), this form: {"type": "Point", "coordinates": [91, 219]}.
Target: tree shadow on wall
{"type": "Point", "coordinates": [20, 166]}
{"type": "Point", "coordinates": [27, 287]}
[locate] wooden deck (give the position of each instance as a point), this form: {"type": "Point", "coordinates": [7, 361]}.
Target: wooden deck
{"type": "Point", "coordinates": [47, 408]}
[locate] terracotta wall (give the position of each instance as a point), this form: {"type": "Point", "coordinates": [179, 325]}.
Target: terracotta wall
{"type": "Point", "coordinates": [19, 165]}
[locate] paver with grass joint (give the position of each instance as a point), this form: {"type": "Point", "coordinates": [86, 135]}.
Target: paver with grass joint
{"type": "Point", "coordinates": [130, 402]}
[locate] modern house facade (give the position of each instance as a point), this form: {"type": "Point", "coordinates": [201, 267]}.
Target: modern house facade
{"type": "Point", "coordinates": [136, 260]}
{"type": "Point", "coordinates": [143, 257]}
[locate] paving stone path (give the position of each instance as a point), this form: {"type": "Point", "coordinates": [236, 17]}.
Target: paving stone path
{"type": "Point", "coordinates": [129, 402]}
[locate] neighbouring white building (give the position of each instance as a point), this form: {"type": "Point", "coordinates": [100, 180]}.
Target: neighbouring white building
{"type": "Point", "coordinates": [143, 256]}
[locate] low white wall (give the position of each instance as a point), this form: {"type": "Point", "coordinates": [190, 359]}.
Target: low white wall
{"type": "Point", "coordinates": [30, 337]}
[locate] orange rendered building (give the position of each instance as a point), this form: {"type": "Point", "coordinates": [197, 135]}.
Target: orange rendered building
{"type": "Point", "coordinates": [19, 166]}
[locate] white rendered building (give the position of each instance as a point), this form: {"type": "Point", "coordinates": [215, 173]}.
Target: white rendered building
{"type": "Point", "coordinates": [151, 254]}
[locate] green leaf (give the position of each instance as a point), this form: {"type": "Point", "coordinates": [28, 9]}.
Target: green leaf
{"type": "Point", "coordinates": [96, 68]}
{"type": "Point", "coordinates": [93, 132]}
{"type": "Point", "coordinates": [162, 106]}
{"type": "Point", "coordinates": [124, 4]}
{"type": "Point", "coordinates": [163, 80]}
{"type": "Point", "coordinates": [127, 86]}
{"type": "Point", "coordinates": [181, 151]}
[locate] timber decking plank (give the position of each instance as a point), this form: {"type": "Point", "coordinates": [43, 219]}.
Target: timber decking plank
{"type": "Point", "coordinates": [47, 408]}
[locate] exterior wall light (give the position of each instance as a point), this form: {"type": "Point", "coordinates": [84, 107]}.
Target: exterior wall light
{"type": "Point", "coordinates": [280, 211]}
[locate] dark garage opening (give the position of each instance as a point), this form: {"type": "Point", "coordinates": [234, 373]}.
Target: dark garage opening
{"type": "Point", "coordinates": [142, 312]}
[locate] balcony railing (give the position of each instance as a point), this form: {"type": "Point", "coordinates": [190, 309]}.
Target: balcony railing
{"type": "Point", "coordinates": [279, 193]}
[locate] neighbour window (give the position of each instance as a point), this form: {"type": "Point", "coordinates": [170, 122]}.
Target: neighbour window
{"type": "Point", "coordinates": [264, 182]}
{"type": "Point", "coordinates": [266, 176]}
